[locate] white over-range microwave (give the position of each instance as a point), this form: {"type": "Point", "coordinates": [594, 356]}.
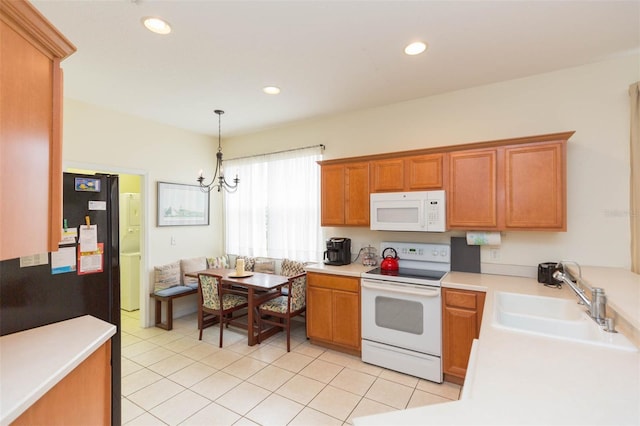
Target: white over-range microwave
{"type": "Point", "coordinates": [422, 211]}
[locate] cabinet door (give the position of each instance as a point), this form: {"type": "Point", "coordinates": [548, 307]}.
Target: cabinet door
{"type": "Point", "coordinates": [535, 187]}
{"type": "Point", "coordinates": [424, 172]}
{"type": "Point", "coordinates": [461, 320]}
{"type": "Point", "coordinates": [25, 132]}
{"type": "Point", "coordinates": [30, 130]}
{"type": "Point", "coordinates": [460, 327]}
{"type": "Point", "coordinates": [387, 175]}
{"type": "Point", "coordinates": [472, 196]}
{"type": "Point", "coordinates": [319, 313]}
{"type": "Point", "coordinates": [332, 195]}
{"type": "Point", "coordinates": [356, 194]}
{"type": "Point", "coordinates": [346, 319]}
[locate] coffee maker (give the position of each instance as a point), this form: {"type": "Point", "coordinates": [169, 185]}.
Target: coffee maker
{"type": "Point", "coordinates": [338, 251]}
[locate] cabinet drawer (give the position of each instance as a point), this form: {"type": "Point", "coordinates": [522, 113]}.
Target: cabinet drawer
{"type": "Point", "coordinates": [461, 299]}
{"type": "Point", "coordinates": [335, 282]}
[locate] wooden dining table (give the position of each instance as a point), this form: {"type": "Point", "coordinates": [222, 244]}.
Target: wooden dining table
{"type": "Point", "coordinates": [259, 288]}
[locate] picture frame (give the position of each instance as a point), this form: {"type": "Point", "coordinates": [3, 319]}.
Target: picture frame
{"type": "Point", "coordinates": [182, 205]}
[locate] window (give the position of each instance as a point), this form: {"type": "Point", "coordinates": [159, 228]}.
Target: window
{"type": "Point", "coordinates": [276, 210]}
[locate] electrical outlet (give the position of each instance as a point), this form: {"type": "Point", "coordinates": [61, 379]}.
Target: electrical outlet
{"type": "Point", "coordinates": [494, 254]}
{"type": "Point", "coordinates": [173, 240]}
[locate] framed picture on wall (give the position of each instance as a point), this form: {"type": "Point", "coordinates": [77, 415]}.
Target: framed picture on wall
{"type": "Point", "coordinates": [182, 205]}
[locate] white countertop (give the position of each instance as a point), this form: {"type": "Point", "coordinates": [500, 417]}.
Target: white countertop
{"type": "Point", "coordinates": [351, 270]}
{"type": "Point", "coordinates": [35, 360]}
{"type": "Point", "coordinates": [518, 378]}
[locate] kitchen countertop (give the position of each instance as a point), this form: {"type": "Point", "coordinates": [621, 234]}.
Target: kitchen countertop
{"type": "Point", "coordinates": [351, 270]}
{"type": "Point", "coordinates": [519, 378]}
{"type": "Point", "coordinates": [34, 361]}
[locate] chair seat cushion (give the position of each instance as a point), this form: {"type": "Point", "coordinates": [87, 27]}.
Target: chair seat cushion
{"type": "Point", "coordinates": [228, 301]}
{"type": "Point", "coordinates": [172, 291]}
{"type": "Point", "coordinates": [279, 305]}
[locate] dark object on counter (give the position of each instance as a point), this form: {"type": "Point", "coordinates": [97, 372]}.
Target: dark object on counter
{"type": "Point", "coordinates": [389, 261]}
{"type": "Point", "coordinates": [545, 273]}
{"type": "Point", "coordinates": [338, 251]}
{"type": "Point", "coordinates": [464, 258]}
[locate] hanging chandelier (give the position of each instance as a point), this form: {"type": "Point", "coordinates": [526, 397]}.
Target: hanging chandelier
{"type": "Point", "coordinates": [218, 176]}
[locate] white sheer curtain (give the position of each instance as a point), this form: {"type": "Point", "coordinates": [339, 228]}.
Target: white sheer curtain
{"type": "Point", "coordinates": [276, 210]}
{"type": "Point", "coordinates": [634, 95]}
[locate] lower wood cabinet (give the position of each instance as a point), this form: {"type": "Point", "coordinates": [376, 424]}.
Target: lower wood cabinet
{"type": "Point", "coordinates": [83, 397]}
{"type": "Point", "coordinates": [461, 320]}
{"type": "Point", "coordinates": [333, 311]}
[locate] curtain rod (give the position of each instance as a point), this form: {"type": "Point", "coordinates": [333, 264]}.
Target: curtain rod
{"type": "Point", "coordinates": [321, 146]}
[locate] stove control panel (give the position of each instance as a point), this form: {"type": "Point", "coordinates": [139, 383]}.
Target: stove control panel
{"type": "Point", "coordinates": [424, 252]}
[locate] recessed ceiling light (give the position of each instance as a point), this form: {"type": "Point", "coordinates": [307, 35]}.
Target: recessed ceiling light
{"type": "Point", "coordinates": [271, 90]}
{"type": "Point", "coordinates": [156, 25]}
{"type": "Point", "coordinates": [415, 48]}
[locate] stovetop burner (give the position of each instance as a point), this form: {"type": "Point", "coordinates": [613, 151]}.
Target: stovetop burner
{"type": "Point", "coordinates": [424, 274]}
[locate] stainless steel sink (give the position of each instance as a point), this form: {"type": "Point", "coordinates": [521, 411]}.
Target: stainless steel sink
{"type": "Point", "coordinates": [553, 317]}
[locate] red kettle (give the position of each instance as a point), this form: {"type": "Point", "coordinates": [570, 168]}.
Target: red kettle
{"type": "Point", "coordinates": [389, 263]}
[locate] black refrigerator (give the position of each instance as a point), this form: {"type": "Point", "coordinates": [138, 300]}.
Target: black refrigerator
{"type": "Point", "coordinates": [32, 296]}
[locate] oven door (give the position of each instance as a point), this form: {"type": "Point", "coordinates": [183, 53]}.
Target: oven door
{"type": "Point", "coordinates": [402, 315]}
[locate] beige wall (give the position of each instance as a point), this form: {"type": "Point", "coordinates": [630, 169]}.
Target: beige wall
{"type": "Point", "coordinates": [592, 100]}
{"type": "Point", "coordinates": [99, 139]}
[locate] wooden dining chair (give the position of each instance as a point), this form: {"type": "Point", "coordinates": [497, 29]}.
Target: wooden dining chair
{"type": "Point", "coordinates": [211, 292]}
{"type": "Point", "coordinates": [292, 301]}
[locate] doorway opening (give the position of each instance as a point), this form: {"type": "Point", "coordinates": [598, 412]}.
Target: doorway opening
{"type": "Point", "coordinates": [132, 223]}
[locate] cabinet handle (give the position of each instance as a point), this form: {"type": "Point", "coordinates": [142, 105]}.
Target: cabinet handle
{"type": "Point", "coordinates": [399, 288]}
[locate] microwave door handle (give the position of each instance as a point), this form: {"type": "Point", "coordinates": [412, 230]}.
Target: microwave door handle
{"type": "Point", "coordinates": [399, 289]}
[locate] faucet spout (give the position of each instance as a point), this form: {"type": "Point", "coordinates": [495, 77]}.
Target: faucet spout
{"type": "Point", "coordinates": [597, 305]}
{"type": "Point", "coordinates": [561, 276]}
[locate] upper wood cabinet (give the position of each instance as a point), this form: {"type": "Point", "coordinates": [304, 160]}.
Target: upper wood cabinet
{"type": "Point", "coordinates": [345, 194]}
{"type": "Point", "coordinates": [535, 187]}
{"type": "Point", "coordinates": [512, 187]}
{"type": "Point", "coordinates": [30, 130]}
{"type": "Point", "coordinates": [412, 173]}
{"type": "Point", "coordinates": [509, 184]}
{"type": "Point", "coordinates": [387, 175]}
{"type": "Point", "coordinates": [472, 198]}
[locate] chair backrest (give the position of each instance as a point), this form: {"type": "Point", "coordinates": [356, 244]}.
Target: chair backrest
{"type": "Point", "coordinates": [298, 293]}
{"type": "Point", "coordinates": [291, 268]}
{"type": "Point", "coordinates": [209, 290]}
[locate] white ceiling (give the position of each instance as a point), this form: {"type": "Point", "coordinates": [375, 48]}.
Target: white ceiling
{"type": "Point", "coordinates": [328, 57]}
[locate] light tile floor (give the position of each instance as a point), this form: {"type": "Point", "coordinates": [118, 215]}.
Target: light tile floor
{"type": "Point", "coordinates": [170, 377]}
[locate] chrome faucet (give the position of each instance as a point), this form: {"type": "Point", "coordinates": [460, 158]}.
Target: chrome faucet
{"type": "Point", "coordinates": [597, 306]}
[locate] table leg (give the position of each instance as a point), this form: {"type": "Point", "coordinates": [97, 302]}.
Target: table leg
{"type": "Point", "coordinates": [251, 302]}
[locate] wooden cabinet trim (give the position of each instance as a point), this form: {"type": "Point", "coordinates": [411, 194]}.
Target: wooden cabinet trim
{"type": "Point", "coordinates": [550, 137]}
{"type": "Point", "coordinates": [31, 24]}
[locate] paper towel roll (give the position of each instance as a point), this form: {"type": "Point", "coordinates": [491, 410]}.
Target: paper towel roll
{"type": "Point", "coordinates": [483, 238]}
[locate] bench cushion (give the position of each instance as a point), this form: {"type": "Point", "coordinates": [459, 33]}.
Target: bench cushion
{"type": "Point", "coordinates": [166, 276]}
{"type": "Point", "coordinates": [218, 262]}
{"type": "Point", "coordinates": [192, 265]}
{"type": "Point", "coordinates": [172, 291]}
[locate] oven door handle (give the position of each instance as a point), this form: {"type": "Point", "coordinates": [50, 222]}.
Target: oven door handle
{"type": "Point", "coordinates": [402, 290]}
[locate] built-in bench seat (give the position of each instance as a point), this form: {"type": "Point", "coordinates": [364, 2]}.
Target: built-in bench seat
{"type": "Point", "coordinates": [168, 295]}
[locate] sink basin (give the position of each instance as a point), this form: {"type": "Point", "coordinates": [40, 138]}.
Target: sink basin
{"type": "Point", "coordinates": [553, 317]}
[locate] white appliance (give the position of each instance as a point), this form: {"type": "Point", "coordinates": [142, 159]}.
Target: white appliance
{"type": "Point", "coordinates": [408, 211]}
{"type": "Point", "coordinates": [130, 281]}
{"type": "Point", "coordinates": [402, 313]}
